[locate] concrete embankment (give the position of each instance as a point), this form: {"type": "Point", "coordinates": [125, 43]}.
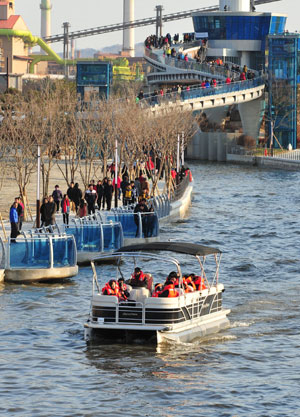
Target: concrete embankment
{"type": "Point", "coordinates": [265, 162]}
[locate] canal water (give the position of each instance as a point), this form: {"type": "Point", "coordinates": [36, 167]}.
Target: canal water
{"type": "Point", "coordinates": [250, 369]}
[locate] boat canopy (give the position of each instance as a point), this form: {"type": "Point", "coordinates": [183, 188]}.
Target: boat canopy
{"type": "Point", "coordinates": [179, 247]}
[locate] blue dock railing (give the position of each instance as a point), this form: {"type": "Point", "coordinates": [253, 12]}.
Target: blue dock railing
{"type": "Point", "coordinates": [41, 252]}
{"type": "Point", "coordinates": [96, 236]}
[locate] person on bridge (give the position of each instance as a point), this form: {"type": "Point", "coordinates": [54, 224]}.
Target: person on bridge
{"type": "Point", "coordinates": [228, 80]}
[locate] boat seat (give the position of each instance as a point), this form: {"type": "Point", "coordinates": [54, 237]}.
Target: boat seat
{"type": "Point", "coordinates": [139, 294]}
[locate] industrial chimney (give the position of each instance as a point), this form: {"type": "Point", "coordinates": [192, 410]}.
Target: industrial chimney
{"type": "Point", "coordinates": [235, 5]}
{"type": "Point", "coordinates": [128, 34]}
{"type": "Point", "coordinates": [45, 18]}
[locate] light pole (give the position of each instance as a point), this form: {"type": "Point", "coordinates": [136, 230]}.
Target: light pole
{"type": "Point", "coordinates": [182, 150]}
{"type": "Point", "coordinates": [116, 173]}
{"type": "Point", "coordinates": [38, 203]}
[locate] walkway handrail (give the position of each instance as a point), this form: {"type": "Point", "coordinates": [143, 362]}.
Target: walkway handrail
{"type": "Point", "coordinates": [198, 92]}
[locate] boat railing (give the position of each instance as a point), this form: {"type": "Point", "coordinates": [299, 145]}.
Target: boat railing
{"type": "Point", "coordinates": [41, 251]}
{"type": "Point", "coordinates": [96, 236]}
{"type": "Point", "coordinates": [135, 225]}
{"type": "Point", "coordinates": [2, 254]}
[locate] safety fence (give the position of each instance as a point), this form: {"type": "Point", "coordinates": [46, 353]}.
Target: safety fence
{"type": "Point", "coordinates": [197, 91]}
{"type": "Point", "coordinates": [96, 237]}
{"type": "Point", "coordinates": [40, 252]}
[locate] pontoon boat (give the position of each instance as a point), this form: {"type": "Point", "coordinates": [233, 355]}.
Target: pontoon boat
{"type": "Point", "coordinates": [182, 318]}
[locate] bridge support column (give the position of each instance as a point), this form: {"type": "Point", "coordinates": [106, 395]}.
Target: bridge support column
{"type": "Point", "coordinates": [251, 116]}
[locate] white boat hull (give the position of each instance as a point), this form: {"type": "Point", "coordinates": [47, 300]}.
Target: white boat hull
{"type": "Point", "coordinates": [38, 275]}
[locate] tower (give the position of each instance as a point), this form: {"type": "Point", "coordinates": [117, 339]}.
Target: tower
{"type": "Point", "coordinates": [7, 9]}
{"type": "Point", "coordinates": [128, 34]}
{"type": "Point", "coordinates": [45, 18]}
{"type": "Point", "coordinates": [235, 5]}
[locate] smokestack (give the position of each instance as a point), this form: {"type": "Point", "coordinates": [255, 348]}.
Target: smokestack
{"type": "Point", "coordinates": [128, 34]}
{"type": "Point", "coordinates": [45, 18]}
{"type": "Point", "coordinates": [235, 5]}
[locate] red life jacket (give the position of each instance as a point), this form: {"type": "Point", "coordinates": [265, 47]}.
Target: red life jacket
{"type": "Point", "coordinates": [141, 277]}
{"type": "Point", "coordinates": [109, 291]}
{"type": "Point", "coordinates": [199, 282]}
{"type": "Point", "coordinates": [156, 293]}
{"type": "Point", "coordinates": [172, 292]}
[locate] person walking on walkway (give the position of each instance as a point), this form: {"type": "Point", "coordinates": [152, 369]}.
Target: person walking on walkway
{"type": "Point", "coordinates": [77, 195]}
{"type": "Point", "coordinates": [20, 210]}
{"type": "Point", "coordinates": [43, 211]}
{"type": "Point", "coordinates": [70, 192]}
{"type": "Point", "coordinates": [50, 209]}
{"type": "Point", "coordinates": [108, 193]}
{"type": "Point", "coordinates": [65, 209]}
{"type": "Point", "coordinates": [91, 197]}
{"type": "Point", "coordinates": [14, 220]}
{"type": "Point", "coordinates": [57, 197]}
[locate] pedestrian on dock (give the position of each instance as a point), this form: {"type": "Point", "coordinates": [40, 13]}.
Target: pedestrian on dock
{"type": "Point", "coordinates": [77, 196]}
{"type": "Point", "coordinates": [70, 192]}
{"type": "Point", "coordinates": [20, 210]}
{"type": "Point", "coordinates": [14, 221]}
{"type": "Point", "coordinates": [57, 197]}
{"type": "Point", "coordinates": [65, 209]}
{"type": "Point", "coordinates": [82, 210]}
{"type": "Point", "coordinates": [43, 211]}
{"type": "Point", "coordinates": [100, 191]}
{"type": "Point", "coordinates": [50, 209]}
{"type": "Point", "coordinates": [108, 193]}
{"type": "Point", "coordinates": [91, 197]}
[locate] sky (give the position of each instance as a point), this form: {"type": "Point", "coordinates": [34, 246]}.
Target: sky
{"type": "Point", "coordinates": [85, 14]}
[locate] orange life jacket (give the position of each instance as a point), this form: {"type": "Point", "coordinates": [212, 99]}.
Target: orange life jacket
{"type": "Point", "coordinates": [199, 282]}
{"type": "Point", "coordinates": [109, 291]}
{"type": "Point", "coordinates": [156, 293]}
{"type": "Point", "coordinates": [190, 282]}
{"type": "Point", "coordinates": [172, 292]}
{"type": "Point", "coordinates": [141, 277]}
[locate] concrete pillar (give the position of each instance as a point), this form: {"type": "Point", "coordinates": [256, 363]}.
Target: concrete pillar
{"type": "Point", "coordinates": [251, 115]}
{"type": "Point", "coordinates": [212, 146]}
{"type": "Point", "coordinates": [221, 147]}
{"type": "Point", "coordinates": [128, 34]}
{"type": "Point", "coordinates": [216, 115]}
{"type": "Point", "coordinates": [204, 138]}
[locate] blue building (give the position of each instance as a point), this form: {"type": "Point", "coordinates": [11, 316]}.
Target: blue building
{"type": "Point", "coordinates": [94, 80]}
{"type": "Point", "coordinates": [240, 35]}
{"type": "Point", "coordinates": [282, 66]}
{"type": "Point", "coordinates": [237, 34]}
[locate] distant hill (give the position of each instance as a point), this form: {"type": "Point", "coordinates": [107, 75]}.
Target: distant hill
{"type": "Point", "coordinates": [113, 49]}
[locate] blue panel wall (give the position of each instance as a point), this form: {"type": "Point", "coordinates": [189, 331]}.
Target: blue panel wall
{"type": "Point", "coordinates": [239, 27]}
{"type": "Point", "coordinates": [283, 77]}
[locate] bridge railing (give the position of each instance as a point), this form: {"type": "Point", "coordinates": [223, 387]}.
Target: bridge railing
{"type": "Point", "coordinates": [199, 92]}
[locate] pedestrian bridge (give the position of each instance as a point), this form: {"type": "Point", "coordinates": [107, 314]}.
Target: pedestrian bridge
{"type": "Point", "coordinates": [247, 95]}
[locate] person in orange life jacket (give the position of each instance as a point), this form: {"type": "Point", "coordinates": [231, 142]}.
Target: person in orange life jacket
{"type": "Point", "coordinates": [199, 282]}
{"type": "Point", "coordinates": [169, 287]}
{"type": "Point", "coordinates": [157, 290]}
{"type": "Point", "coordinates": [123, 291]}
{"type": "Point", "coordinates": [187, 279]}
{"type": "Point", "coordinates": [110, 288]}
{"type": "Point", "coordinates": [138, 278]}
{"type": "Point", "coordinates": [187, 288]}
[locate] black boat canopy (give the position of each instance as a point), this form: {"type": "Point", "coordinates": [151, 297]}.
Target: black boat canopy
{"type": "Point", "coordinates": [179, 247]}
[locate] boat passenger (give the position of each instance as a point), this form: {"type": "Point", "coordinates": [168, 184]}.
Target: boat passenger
{"type": "Point", "coordinates": [157, 290]}
{"type": "Point", "coordinates": [169, 287]}
{"type": "Point", "coordinates": [199, 282]}
{"type": "Point", "coordinates": [138, 278]}
{"type": "Point", "coordinates": [189, 281]}
{"type": "Point", "coordinates": [123, 291]}
{"type": "Point", "coordinates": [111, 288]}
